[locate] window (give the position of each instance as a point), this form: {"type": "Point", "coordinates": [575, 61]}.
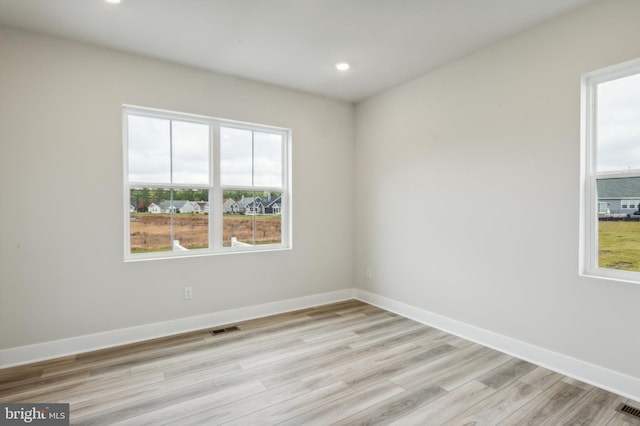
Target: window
{"type": "Point", "coordinates": [199, 185]}
{"type": "Point", "coordinates": [610, 243]}
{"type": "Point", "coordinates": [603, 208]}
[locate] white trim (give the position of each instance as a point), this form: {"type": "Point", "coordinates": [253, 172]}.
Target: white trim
{"type": "Point", "coordinates": [595, 375]}
{"type": "Point", "coordinates": [91, 342]}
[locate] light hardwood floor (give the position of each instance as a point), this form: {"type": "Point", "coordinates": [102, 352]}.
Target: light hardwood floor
{"type": "Point", "coordinates": [347, 363]}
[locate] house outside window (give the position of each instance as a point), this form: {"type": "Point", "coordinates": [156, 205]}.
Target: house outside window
{"type": "Point", "coordinates": [184, 179]}
{"type": "Point", "coordinates": [610, 232]}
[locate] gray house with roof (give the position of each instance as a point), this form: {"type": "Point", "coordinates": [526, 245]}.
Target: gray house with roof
{"type": "Point", "coordinates": [273, 205]}
{"type": "Point", "coordinates": [230, 206]}
{"type": "Point", "coordinates": [251, 205]}
{"type": "Point", "coordinates": [260, 205]}
{"type": "Point", "coordinates": [618, 195]}
{"type": "Point", "coordinates": [175, 206]}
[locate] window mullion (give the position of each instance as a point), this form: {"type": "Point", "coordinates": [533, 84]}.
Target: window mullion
{"type": "Point", "coordinates": [172, 209]}
{"type": "Point", "coordinates": [215, 201]}
{"type": "Point", "coordinates": [253, 182]}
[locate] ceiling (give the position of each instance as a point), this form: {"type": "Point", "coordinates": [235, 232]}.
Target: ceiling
{"type": "Point", "coordinates": [292, 43]}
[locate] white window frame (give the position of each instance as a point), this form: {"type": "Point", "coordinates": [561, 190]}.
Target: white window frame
{"type": "Point", "coordinates": [214, 187]}
{"type": "Point", "coordinates": [588, 251]}
{"type": "Point", "coordinates": [632, 203]}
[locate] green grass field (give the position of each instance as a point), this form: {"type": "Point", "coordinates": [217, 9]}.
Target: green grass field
{"type": "Point", "coordinates": [619, 245]}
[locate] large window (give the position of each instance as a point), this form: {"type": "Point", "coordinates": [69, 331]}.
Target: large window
{"type": "Point", "coordinates": [610, 233]}
{"type": "Point", "coordinates": [199, 185]}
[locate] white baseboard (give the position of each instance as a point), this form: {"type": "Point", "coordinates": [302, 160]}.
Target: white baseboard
{"type": "Point", "coordinates": [75, 345]}
{"type": "Point", "coordinates": [595, 375]}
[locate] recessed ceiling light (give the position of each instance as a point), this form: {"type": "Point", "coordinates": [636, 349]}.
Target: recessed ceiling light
{"type": "Point", "coordinates": [113, 1]}
{"type": "Point", "coordinates": [342, 66]}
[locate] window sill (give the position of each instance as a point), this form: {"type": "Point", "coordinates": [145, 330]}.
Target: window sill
{"type": "Point", "coordinates": [627, 277]}
{"type": "Point", "coordinates": [143, 257]}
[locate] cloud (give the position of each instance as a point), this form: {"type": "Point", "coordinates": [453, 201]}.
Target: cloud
{"type": "Point", "coordinates": [168, 151]}
{"type": "Point", "coordinates": [618, 121]}
{"type": "Point", "coordinates": [171, 151]}
{"type": "Point", "coordinates": [250, 158]}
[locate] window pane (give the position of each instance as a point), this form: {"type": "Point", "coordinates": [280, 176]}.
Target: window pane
{"type": "Point", "coordinates": [267, 159]}
{"type": "Point", "coordinates": [269, 225]}
{"type": "Point", "coordinates": [150, 224]}
{"type": "Point", "coordinates": [166, 220]}
{"type": "Point", "coordinates": [618, 124]}
{"type": "Point", "coordinates": [149, 150]}
{"type": "Point", "coordinates": [238, 220]}
{"type": "Point", "coordinates": [190, 148]}
{"type": "Point", "coordinates": [619, 244]}
{"type": "Point", "coordinates": [191, 220]}
{"type": "Point", "coordinates": [236, 154]}
{"type": "Point", "coordinates": [618, 227]}
{"type": "Point", "coordinates": [251, 218]}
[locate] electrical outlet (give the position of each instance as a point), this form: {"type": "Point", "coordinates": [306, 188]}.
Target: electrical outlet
{"type": "Point", "coordinates": [188, 293]}
{"type": "Point", "coordinates": [369, 273]}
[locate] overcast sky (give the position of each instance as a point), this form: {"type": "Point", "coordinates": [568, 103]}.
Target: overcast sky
{"type": "Point", "coordinates": [236, 158]}
{"type": "Point", "coordinates": [619, 124]}
{"type": "Point", "coordinates": [245, 160]}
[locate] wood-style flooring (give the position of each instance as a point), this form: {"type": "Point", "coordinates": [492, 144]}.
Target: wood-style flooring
{"type": "Point", "coordinates": [347, 363]}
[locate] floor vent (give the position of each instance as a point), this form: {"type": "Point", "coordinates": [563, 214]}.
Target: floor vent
{"type": "Point", "coordinates": [629, 410]}
{"type": "Point", "coordinates": [224, 330]}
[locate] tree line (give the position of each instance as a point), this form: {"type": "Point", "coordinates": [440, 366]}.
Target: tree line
{"type": "Point", "coordinates": [141, 199]}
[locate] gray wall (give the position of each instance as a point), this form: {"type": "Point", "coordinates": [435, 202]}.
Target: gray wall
{"type": "Point", "coordinates": [61, 244]}
{"type": "Point", "coordinates": [501, 124]}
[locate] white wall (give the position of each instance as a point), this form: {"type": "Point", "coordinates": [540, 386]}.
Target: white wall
{"type": "Point", "coordinates": [61, 239]}
{"type": "Point", "coordinates": [469, 177]}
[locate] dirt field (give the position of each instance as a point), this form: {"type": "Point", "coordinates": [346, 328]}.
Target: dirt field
{"type": "Point", "coordinates": [267, 229]}
{"type": "Point", "coordinates": [152, 232]}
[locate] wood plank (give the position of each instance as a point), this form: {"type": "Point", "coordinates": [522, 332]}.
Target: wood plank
{"type": "Point", "coordinates": [156, 412]}
{"type": "Point", "coordinates": [346, 405]}
{"type": "Point", "coordinates": [440, 367]}
{"type": "Point", "coordinates": [498, 406]}
{"type": "Point", "coordinates": [395, 407]}
{"type": "Point", "coordinates": [242, 406]}
{"type": "Point", "coordinates": [448, 406]}
{"type": "Point", "coordinates": [296, 406]}
{"type": "Point", "coordinates": [549, 406]}
{"type": "Point", "coordinates": [597, 407]}
{"type": "Point", "coordinates": [506, 373]}
{"type": "Point", "coordinates": [541, 378]}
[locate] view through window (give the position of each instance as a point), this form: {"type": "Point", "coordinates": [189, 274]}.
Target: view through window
{"type": "Point", "coordinates": [199, 185]}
